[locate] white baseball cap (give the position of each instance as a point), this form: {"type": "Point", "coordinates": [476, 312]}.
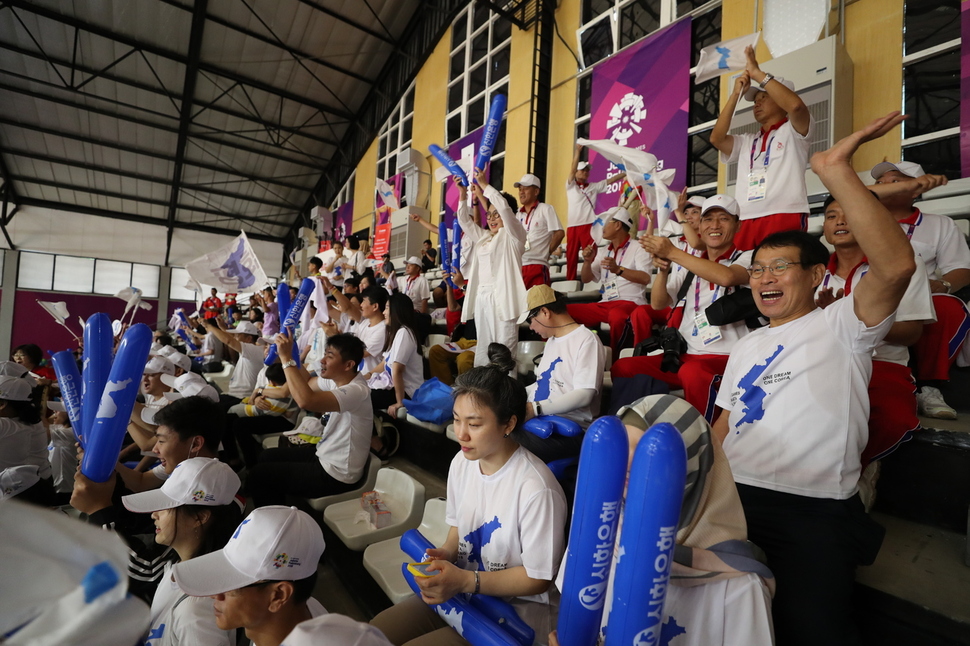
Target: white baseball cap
{"type": "Point", "coordinates": [910, 169]}
{"type": "Point", "coordinates": [697, 200]}
{"type": "Point", "coordinates": [335, 630]}
{"type": "Point", "coordinates": [245, 327]}
{"type": "Point", "coordinates": [582, 165]}
{"type": "Point", "coordinates": [196, 481]}
{"type": "Point", "coordinates": [754, 89]}
{"type": "Point", "coordinates": [181, 360]}
{"type": "Point", "coordinates": [273, 543]}
{"type": "Point", "coordinates": [14, 369]}
{"type": "Point", "coordinates": [13, 480]}
{"type": "Point", "coordinates": [189, 385]}
{"type": "Point", "coordinates": [720, 201]}
{"type": "Point", "coordinates": [619, 214]}
{"type": "Point", "coordinates": [414, 260]}
{"type": "Point", "coordinates": [158, 365]}
{"type": "Point", "coordinates": [529, 180]}
{"type": "Point", "coordinates": [14, 389]}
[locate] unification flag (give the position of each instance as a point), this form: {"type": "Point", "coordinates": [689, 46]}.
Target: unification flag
{"type": "Point", "coordinates": [726, 56]}
{"type": "Point", "coordinates": [233, 268]}
{"type": "Point", "coordinates": [133, 297]}
{"type": "Point", "coordinates": [387, 195]}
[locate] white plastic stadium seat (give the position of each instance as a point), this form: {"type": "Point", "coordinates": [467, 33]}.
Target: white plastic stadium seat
{"type": "Point", "coordinates": [433, 340]}
{"type": "Point", "coordinates": [383, 560]}
{"type": "Point", "coordinates": [373, 467]}
{"type": "Point", "coordinates": [404, 497]}
{"type": "Point", "coordinates": [566, 286]}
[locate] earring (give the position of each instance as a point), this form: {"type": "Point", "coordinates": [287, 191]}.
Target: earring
{"type": "Point", "coordinates": [506, 435]}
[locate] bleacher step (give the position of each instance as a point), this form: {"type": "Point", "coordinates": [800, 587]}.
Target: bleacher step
{"type": "Point", "coordinates": [918, 590]}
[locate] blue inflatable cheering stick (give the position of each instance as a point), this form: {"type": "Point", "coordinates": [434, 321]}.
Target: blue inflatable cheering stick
{"type": "Point", "coordinates": [116, 402]}
{"type": "Point", "coordinates": [449, 163]}
{"type": "Point", "coordinates": [96, 363]}
{"type": "Point", "coordinates": [293, 317]}
{"type": "Point", "coordinates": [490, 135]}
{"type": "Point", "coordinates": [69, 381]}
{"type": "Point", "coordinates": [651, 514]}
{"type": "Point", "coordinates": [592, 533]}
{"type": "Point", "coordinates": [182, 333]}
{"type": "Point", "coordinates": [446, 263]}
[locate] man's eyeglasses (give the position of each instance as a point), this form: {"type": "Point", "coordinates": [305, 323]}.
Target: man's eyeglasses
{"type": "Point", "coordinates": [776, 268]}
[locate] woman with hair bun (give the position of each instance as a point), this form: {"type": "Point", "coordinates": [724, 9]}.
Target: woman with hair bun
{"type": "Point", "coordinates": [506, 511]}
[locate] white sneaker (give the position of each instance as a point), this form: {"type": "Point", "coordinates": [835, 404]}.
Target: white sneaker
{"type": "Point", "coordinates": [931, 404]}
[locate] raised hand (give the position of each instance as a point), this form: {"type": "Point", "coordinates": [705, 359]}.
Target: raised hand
{"type": "Point", "coordinates": [839, 156]}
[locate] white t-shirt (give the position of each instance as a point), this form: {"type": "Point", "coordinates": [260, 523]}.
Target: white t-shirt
{"type": "Point", "coordinates": [404, 350]}
{"type": "Point", "coordinates": [798, 402]}
{"type": "Point", "coordinates": [539, 226]}
{"type": "Point", "coordinates": [787, 157]}
{"type": "Point", "coordinates": [416, 289]}
{"type": "Point", "coordinates": [700, 295]}
{"type": "Point", "coordinates": [514, 517]}
{"type": "Point", "coordinates": [22, 444]}
{"type": "Point", "coordinates": [568, 363]}
{"type": "Point", "coordinates": [630, 256]}
{"type": "Point", "coordinates": [190, 622]}
{"type": "Point", "coordinates": [582, 202]}
{"type": "Point", "coordinates": [373, 337]}
{"type": "Point", "coordinates": [938, 242]}
{"type": "Point", "coordinates": [344, 446]}
{"type": "Point", "coordinates": [917, 305]}
{"type": "Point", "coordinates": [244, 375]}
{"type": "Point", "coordinates": [211, 343]}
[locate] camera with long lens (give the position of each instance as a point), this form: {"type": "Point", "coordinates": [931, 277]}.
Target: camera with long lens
{"type": "Point", "coordinates": [671, 342]}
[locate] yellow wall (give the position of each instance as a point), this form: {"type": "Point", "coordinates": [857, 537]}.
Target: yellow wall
{"type": "Point", "coordinates": [562, 108]}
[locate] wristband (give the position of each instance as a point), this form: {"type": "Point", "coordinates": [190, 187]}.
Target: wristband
{"type": "Point", "coordinates": [620, 272]}
{"type": "Point", "coordinates": [478, 583]}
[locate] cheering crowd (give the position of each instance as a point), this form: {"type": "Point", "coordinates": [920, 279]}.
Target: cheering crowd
{"type": "Point", "coordinates": [795, 370]}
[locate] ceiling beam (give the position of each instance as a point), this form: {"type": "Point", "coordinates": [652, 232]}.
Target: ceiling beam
{"type": "Point", "coordinates": [117, 215]}
{"type": "Point", "coordinates": [128, 41]}
{"type": "Point", "coordinates": [300, 130]}
{"type": "Point", "coordinates": [351, 22]}
{"type": "Point", "coordinates": [147, 153]}
{"type": "Point", "coordinates": [165, 181]}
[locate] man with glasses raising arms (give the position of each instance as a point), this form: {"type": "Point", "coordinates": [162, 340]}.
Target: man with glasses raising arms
{"type": "Point", "coordinates": [796, 406]}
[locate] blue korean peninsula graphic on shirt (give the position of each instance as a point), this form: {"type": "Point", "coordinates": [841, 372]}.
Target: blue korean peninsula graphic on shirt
{"type": "Point", "coordinates": [544, 382]}
{"type": "Point", "coordinates": [753, 397]}
{"type": "Point", "coordinates": [479, 538]}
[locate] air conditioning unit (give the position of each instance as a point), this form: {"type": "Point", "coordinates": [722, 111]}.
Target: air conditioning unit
{"type": "Point", "coordinates": [417, 178]}
{"type": "Point", "coordinates": [406, 234]}
{"type": "Point", "coordinates": [822, 74]}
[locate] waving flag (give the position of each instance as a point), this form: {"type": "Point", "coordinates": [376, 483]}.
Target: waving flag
{"type": "Point", "coordinates": [642, 171]}
{"type": "Point", "coordinates": [233, 268]}
{"type": "Point", "coordinates": [59, 311]}
{"type": "Point", "coordinates": [721, 58]}
{"type": "Point", "coordinates": [133, 296]}
{"type": "Point", "coordinates": [387, 194]}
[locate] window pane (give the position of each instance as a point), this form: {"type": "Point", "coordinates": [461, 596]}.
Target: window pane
{"type": "Point", "coordinates": [637, 20]}
{"type": "Point", "coordinates": [110, 277]}
{"type": "Point", "coordinates": [593, 8]}
{"type": "Point", "coordinates": [177, 292]}
{"type": "Point", "coordinates": [941, 157]}
{"type": "Point", "coordinates": [480, 47]}
{"type": "Point", "coordinates": [705, 30]}
{"type": "Point", "coordinates": [36, 271]}
{"type": "Point", "coordinates": [702, 162]}
{"type": "Point", "coordinates": [392, 143]}
{"type": "Point", "coordinates": [454, 128]}
{"type": "Point", "coordinates": [459, 31]}
{"type": "Point", "coordinates": [409, 101]}
{"type": "Point", "coordinates": [455, 96]}
{"type": "Point", "coordinates": [476, 114]}
{"type": "Point", "coordinates": [584, 96]}
{"type": "Point", "coordinates": [382, 146]}
{"type": "Point", "coordinates": [496, 173]}
{"type": "Point", "coordinates": [478, 80]}
{"type": "Point", "coordinates": [582, 130]}
{"type": "Point", "coordinates": [72, 274]}
{"type": "Point", "coordinates": [704, 100]}
{"type": "Point", "coordinates": [482, 14]}
{"type": "Point", "coordinates": [597, 42]}
{"type": "Point", "coordinates": [145, 278]}
{"type": "Point", "coordinates": [501, 30]}
{"type": "Point", "coordinates": [932, 92]}
{"type": "Point", "coordinates": [406, 131]}
{"type": "Point", "coordinates": [457, 64]}
{"type": "Point", "coordinates": [930, 22]}
{"type": "Point", "coordinates": [686, 6]}
{"type": "Point", "coordinates": [500, 64]}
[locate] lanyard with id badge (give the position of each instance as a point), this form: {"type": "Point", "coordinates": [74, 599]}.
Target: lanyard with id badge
{"type": "Point", "coordinates": [610, 290]}
{"type": "Point", "coordinates": [703, 329]}
{"type": "Point", "coordinates": [758, 177]}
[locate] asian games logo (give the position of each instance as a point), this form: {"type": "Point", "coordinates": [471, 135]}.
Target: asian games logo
{"type": "Point", "coordinates": [280, 560]}
{"type": "Point", "coordinates": [624, 117]}
{"type": "Point", "coordinates": [198, 495]}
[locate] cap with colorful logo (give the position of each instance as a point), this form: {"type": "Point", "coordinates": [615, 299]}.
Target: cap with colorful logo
{"type": "Point", "coordinates": [721, 201]}
{"type": "Point", "coordinates": [196, 481]}
{"type": "Point", "coordinates": [528, 180]}
{"type": "Point", "coordinates": [273, 543]}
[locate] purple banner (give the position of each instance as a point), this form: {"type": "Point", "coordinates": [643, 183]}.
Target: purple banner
{"type": "Point", "coordinates": [640, 100]}
{"type": "Point", "coordinates": [343, 221]}
{"type": "Point", "coordinates": [965, 87]}
{"type": "Point", "coordinates": [467, 146]}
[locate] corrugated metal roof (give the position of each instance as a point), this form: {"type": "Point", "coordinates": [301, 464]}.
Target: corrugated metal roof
{"type": "Point", "coordinates": [92, 113]}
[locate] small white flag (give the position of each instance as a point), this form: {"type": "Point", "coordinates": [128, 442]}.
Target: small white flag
{"type": "Point", "coordinates": [133, 296]}
{"type": "Point", "coordinates": [726, 56]}
{"type": "Point", "coordinates": [58, 310]}
{"type": "Point", "coordinates": [233, 268]}
{"type": "Point", "coordinates": [387, 194]}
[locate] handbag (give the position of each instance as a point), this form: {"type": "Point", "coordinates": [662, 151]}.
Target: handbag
{"type": "Point", "coordinates": [432, 402]}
